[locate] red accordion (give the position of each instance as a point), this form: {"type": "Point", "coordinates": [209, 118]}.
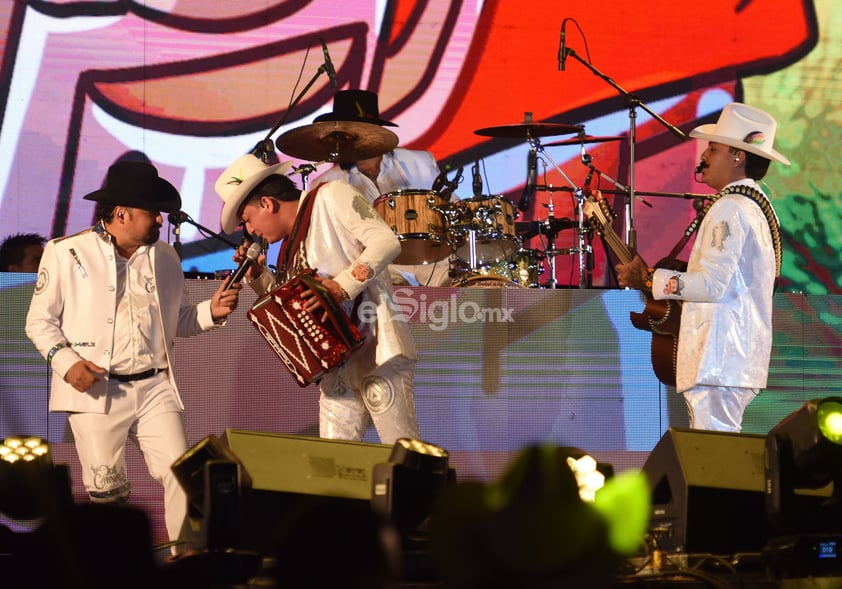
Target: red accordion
{"type": "Point", "coordinates": [308, 347]}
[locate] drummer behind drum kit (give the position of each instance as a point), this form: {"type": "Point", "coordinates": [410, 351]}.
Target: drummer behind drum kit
{"type": "Point", "coordinates": [479, 235]}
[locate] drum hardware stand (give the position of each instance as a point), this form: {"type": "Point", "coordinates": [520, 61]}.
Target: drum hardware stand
{"type": "Point", "coordinates": [633, 102]}
{"type": "Point", "coordinates": [551, 251]}
{"type": "Point", "coordinates": [583, 250]}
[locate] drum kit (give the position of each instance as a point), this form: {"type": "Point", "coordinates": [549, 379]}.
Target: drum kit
{"type": "Point", "coordinates": [480, 236]}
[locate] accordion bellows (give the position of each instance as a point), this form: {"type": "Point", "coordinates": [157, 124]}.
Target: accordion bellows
{"type": "Point", "coordinates": [308, 347]}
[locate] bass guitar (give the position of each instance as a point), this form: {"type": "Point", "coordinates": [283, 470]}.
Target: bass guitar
{"type": "Point", "coordinates": [661, 318]}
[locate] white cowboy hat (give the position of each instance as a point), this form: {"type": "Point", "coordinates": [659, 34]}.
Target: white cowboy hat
{"type": "Point", "coordinates": [237, 181]}
{"type": "Point", "coordinates": [744, 127]}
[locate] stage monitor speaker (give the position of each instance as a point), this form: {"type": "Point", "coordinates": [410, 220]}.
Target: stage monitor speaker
{"type": "Point", "coordinates": [293, 475]}
{"type": "Point", "coordinates": [308, 465]}
{"type": "Point", "coordinates": [708, 492]}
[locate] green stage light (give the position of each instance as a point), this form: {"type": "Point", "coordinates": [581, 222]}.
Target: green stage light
{"type": "Point", "coordinates": [804, 491]}
{"type": "Point", "coordinates": [829, 418]}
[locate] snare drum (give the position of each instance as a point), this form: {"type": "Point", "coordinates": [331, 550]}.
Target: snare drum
{"type": "Point", "coordinates": [490, 220]}
{"type": "Point", "coordinates": [420, 228]}
{"type": "Point", "coordinates": [526, 266]}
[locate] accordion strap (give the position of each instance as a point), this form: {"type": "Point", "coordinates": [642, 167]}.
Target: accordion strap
{"type": "Point", "coordinates": [333, 309]}
{"type": "Point", "coordinates": [299, 231]}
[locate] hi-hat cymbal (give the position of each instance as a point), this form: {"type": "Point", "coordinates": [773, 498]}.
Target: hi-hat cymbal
{"type": "Point", "coordinates": [337, 141]}
{"type": "Point", "coordinates": [581, 140]}
{"type": "Point", "coordinates": [527, 130]}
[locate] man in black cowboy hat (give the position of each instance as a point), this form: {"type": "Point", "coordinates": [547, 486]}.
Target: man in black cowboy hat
{"type": "Point", "coordinates": [108, 303]}
{"type": "Point", "coordinates": [396, 169]}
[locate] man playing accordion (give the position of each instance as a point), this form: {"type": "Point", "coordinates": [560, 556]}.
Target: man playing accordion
{"type": "Point", "coordinates": [349, 246]}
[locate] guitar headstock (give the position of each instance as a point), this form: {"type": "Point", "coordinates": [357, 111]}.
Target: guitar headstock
{"type": "Point", "coordinates": [601, 217]}
{"type": "Point", "coordinates": [599, 212]}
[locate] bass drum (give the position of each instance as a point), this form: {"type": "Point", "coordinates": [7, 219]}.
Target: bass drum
{"type": "Point", "coordinates": [497, 275]}
{"type": "Point", "coordinates": [484, 281]}
{"type": "Point", "coordinates": [415, 217]}
{"type": "Point", "coordinates": [526, 267]}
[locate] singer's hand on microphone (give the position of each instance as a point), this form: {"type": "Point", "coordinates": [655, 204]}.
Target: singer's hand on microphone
{"type": "Point", "coordinates": [256, 269]}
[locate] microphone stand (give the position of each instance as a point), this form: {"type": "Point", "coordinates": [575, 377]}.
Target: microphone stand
{"type": "Point", "coordinates": [267, 146]}
{"type": "Point", "coordinates": [185, 218]}
{"type": "Point", "coordinates": [177, 243]}
{"type": "Point", "coordinates": [305, 170]}
{"type": "Point", "coordinates": [633, 102]}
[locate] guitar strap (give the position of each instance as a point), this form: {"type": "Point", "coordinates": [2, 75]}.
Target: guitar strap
{"type": "Point", "coordinates": [755, 195]}
{"type": "Point", "coordinates": [291, 258]}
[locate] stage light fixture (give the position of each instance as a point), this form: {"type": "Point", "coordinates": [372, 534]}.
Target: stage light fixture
{"type": "Point", "coordinates": [405, 488]}
{"type": "Point", "coordinates": [215, 482]}
{"type": "Point", "coordinates": [588, 476]}
{"type": "Point", "coordinates": [26, 477]}
{"type": "Point", "coordinates": [804, 489]}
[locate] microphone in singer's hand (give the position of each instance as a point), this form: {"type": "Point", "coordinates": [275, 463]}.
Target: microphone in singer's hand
{"type": "Point", "coordinates": [329, 69]}
{"type": "Point", "coordinates": [251, 257]}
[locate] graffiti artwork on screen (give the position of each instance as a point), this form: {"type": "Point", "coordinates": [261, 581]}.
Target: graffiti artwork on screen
{"type": "Point", "coordinates": [193, 87]}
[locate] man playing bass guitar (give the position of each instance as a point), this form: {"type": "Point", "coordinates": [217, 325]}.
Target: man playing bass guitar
{"type": "Point", "coordinates": [725, 337]}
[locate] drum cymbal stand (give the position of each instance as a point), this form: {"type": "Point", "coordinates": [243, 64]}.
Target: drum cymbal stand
{"type": "Point", "coordinates": [582, 249]}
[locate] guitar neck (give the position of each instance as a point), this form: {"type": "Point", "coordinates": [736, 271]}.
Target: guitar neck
{"type": "Point", "coordinates": [601, 216]}
{"type": "Point", "coordinates": [617, 245]}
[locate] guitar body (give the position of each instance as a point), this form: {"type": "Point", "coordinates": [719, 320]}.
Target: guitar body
{"type": "Point", "coordinates": [661, 318]}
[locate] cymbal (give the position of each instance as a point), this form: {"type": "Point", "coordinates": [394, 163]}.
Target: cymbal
{"type": "Point", "coordinates": [337, 141]}
{"type": "Point", "coordinates": [527, 130]}
{"type": "Point", "coordinates": [585, 139]}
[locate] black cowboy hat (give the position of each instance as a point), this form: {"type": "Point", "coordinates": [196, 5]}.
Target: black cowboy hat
{"type": "Point", "coordinates": [137, 185]}
{"type": "Point", "coordinates": [356, 106]}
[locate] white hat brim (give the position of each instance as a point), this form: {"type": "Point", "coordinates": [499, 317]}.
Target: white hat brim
{"type": "Point", "coordinates": [229, 218]}
{"type": "Point", "coordinates": [705, 133]}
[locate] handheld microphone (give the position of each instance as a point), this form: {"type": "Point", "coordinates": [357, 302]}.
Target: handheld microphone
{"type": "Point", "coordinates": [477, 179]}
{"type": "Point", "coordinates": [329, 69]}
{"type": "Point", "coordinates": [251, 258]}
{"type": "Point", "coordinates": [562, 49]}
{"type": "Point", "coordinates": [531, 177]}
{"type": "Point", "coordinates": [178, 217]}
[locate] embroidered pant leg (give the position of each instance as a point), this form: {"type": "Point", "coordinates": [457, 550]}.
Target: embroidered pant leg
{"type": "Point", "coordinates": [388, 393]}
{"type": "Point", "coordinates": [385, 395]}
